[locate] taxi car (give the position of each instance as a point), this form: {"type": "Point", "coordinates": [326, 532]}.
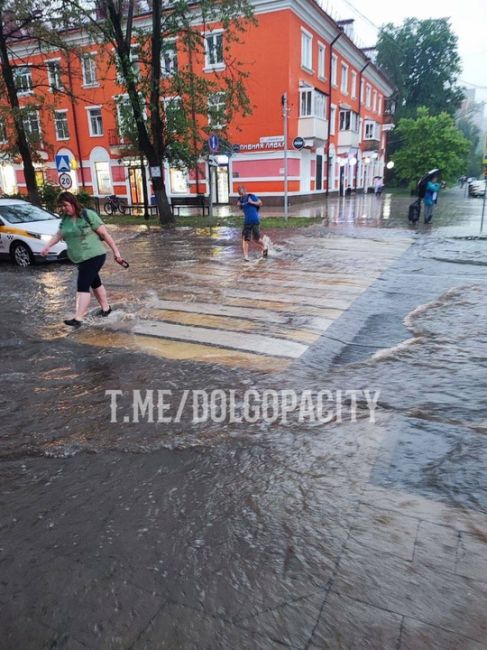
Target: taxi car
{"type": "Point", "coordinates": [24, 231]}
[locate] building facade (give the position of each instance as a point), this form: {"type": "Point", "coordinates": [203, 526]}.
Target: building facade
{"type": "Point", "coordinates": [307, 79]}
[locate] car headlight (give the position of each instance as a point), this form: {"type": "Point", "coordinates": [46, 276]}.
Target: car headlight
{"type": "Point", "coordinates": [46, 238]}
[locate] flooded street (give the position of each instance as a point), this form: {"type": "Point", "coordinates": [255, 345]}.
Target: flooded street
{"type": "Point", "coordinates": [313, 518]}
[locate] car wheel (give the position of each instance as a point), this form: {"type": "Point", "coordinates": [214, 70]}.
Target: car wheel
{"type": "Point", "coordinates": [122, 207]}
{"type": "Point", "coordinates": [108, 207]}
{"type": "Point", "coordinates": [21, 254]}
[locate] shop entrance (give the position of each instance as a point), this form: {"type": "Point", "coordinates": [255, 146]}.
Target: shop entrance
{"type": "Point", "coordinates": [220, 186]}
{"type": "Point", "coordinates": [135, 185]}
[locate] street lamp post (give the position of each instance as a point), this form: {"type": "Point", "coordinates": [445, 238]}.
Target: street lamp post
{"type": "Point", "coordinates": [285, 118]}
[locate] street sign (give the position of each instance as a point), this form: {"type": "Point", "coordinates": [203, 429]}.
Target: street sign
{"type": "Point", "coordinates": [62, 163]}
{"type": "Point", "coordinates": [65, 181]}
{"type": "Point", "coordinates": [298, 143]}
{"type": "Point", "coordinates": [236, 148]}
{"type": "Point", "coordinates": [213, 143]}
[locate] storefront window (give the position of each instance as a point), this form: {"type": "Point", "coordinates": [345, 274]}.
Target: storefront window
{"type": "Point", "coordinates": [179, 181]}
{"type": "Point", "coordinates": [103, 180]}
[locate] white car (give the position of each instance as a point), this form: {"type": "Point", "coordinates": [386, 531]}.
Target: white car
{"type": "Point", "coordinates": [476, 187]}
{"type": "Point", "coordinates": [24, 231]}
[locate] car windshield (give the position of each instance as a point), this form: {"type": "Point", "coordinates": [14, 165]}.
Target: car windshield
{"type": "Point", "coordinates": [21, 213]}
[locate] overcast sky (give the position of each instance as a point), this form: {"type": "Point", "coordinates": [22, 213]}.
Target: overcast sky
{"type": "Point", "coordinates": [468, 19]}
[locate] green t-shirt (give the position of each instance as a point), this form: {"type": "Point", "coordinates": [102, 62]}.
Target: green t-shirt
{"type": "Point", "coordinates": [81, 239]}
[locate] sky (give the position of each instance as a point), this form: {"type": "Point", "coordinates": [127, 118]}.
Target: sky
{"type": "Point", "coordinates": [468, 19]}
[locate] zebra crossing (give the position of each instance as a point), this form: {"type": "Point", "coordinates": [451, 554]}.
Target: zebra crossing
{"type": "Point", "coordinates": [263, 315]}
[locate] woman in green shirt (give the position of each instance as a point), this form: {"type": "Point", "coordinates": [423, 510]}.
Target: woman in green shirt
{"type": "Point", "coordinates": [84, 233]}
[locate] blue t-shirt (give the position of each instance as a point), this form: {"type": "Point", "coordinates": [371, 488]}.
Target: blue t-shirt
{"type": "Point", "coordinates": [250, 211]}
{"type": "Point", "coordinates": [431, 193]}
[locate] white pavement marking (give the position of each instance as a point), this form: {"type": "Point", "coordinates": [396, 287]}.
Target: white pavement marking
{"type": "Point", "coordinates": [220, 310]}
{"type": "Point", "coordinates": [222, 338]}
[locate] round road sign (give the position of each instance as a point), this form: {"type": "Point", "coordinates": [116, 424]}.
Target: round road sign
{"type": "Point", "coordinates": [298, 143]}
{"type": "Point", "coordinates": [65, 181]}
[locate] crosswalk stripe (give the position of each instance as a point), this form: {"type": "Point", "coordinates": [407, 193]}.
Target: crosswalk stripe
{"type": "Point", "coordinates": [230, 339]}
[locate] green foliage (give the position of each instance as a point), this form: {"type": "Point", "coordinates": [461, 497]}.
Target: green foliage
{"type": "Point", "coordinates": [48, 194]}
{"type": "Point", "coordinates": [427, 142]}
{"type": "Point", "coordinates": [85, 199]}
{"type": "Point", "coordinates": [421, 59]}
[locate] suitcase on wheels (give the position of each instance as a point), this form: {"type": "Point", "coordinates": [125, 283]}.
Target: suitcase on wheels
{"type": "Point", "coordinates": [414, 211]}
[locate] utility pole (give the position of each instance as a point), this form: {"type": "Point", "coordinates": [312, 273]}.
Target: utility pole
{"type": "Point", "coordinates": [285, 117]}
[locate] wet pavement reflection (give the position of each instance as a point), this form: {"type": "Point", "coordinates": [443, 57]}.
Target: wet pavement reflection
{"type": "Point", "coordinates": [355, 530]}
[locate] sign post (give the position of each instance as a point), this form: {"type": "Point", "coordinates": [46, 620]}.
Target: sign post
{"type": "Point", "coordinates": [285, 116]}
{"type": "Point", "coordinates": [213, 148]}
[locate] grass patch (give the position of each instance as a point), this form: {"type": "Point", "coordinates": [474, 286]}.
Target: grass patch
{"type": "Point", "coordinates": [232, 221]}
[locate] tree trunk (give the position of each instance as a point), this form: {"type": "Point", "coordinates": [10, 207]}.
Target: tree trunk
{"type": "Point", "coordinates": [166, 216]}
{"type": "Point", "coordinates": [21, 138]}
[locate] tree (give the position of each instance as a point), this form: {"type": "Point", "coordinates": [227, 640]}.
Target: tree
{"type": "Point", "coordinates": [24, 21]}
{"type": "Point", "coordinates": [421, 59]}
{"type": "Point", "coordinates": [474, 155]}
{"type": "Point", "coordinates": [428, 142]}
{"type": "Point", "coordinates": [170, 108]}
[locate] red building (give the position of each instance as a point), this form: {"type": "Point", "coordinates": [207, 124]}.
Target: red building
{"type": "Point", "coordinates": [306, 77]}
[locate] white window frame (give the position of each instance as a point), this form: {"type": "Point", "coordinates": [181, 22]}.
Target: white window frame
{"type": "Point", "coordinates": [374, 101]}
{"type": "Point", "coordinates": [362, 88]}
{"type": "Point", "coordinates": [211, 49]}
{"type": "Point", "coordinates": [91, 79]}
{"type": "Point", "coordinates": [333, 119]}
{"type": "Point", "coordinates": [64, 112]}
{"type": "Point", "coordinates": [54, 78]}
{"type": "Point", "coordinates": [353, 89]}
{"type": "Point", "coordinates": [169, 59]}
{"type": "Point", "coordinates": [344, 78]}
{"type": "Point", "coordinates": [23, 72]}
{"type": "Point", "coordinates": [379, 104]}
{"type": "Point", "coordinates": [89, 110]}
{"type": "Point", "coordinates": [349, 121]}
{"type": "Point", "coordinates": [334, 65]}
{"type": "Point", "coordinates": [96, 163]}
{"type": "Point", "coordinates": [321, 61]}
{"type": "Point", "coordinates": [29, 131]}
{"type": "Point", "coordinates": [306, 50]}
{"type": "Point", "coordinates": [371, 127]}
{"type": "Point", "coordinates": [368, 95]}
{"type": "Point", "coordinates": [211, 98]}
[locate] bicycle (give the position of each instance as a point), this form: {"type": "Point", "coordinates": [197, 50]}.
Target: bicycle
{"type": "Point", "coordinates": [114, 204]}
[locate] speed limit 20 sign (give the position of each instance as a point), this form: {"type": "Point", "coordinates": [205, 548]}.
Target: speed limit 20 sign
{"type": "Point", "coordinates": [65, 181]}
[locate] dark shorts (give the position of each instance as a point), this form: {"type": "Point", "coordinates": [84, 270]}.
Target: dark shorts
{"type": "Point", "coordinates": [251, 231]}
{"type": "Point", "coordinates": [88, 273]}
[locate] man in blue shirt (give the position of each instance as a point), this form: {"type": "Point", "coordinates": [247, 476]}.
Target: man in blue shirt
{"type": "Point", "coordinates": [430, 198]}
{"type": "Point", "coordinates": [250, 205]}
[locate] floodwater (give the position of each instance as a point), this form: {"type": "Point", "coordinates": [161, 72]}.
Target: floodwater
{"type": "Point", "coordinates": [404, 311]}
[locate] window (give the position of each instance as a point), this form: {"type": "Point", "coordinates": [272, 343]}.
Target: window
{"type": "Point", "coordinates": [54, 75]}
{"type": "Point", "coordinates": [216, 110]}
{"type": "Point", "coordinates": [368, 93]}
{"type": "Point", "coordinates": [374, 101]}
{"type": "Point", "coordinates": [214, 50]}
{"type": "Point", "coordinates": [61, 125]}
{"type": "Point", "coordinates": [23, 80]}
{"type": "Point", "coordinates": [361, 90]}
{"type": "Point", "coordinates": [103, 180]}
{"type": "Point", "coordinates": [334, 69]}
{"type": "Point", "coordinates": [379, 105]}
{"type": "Point", "coordinates": [179, 181]}
{"type": "Point", "coordinates": [3, 132]}
{"type": "Point", "coordinates": [95, 121]}
{"type": "Point", "coordinates": [344, 86]}
{"type": "Point", "coordinates": [32, 125]}
{"type": "Point", "coordinates": [349, 121]}
{"type": "Point", "coordinates": [333, 119]}
{"type": "Point", "coordinates": [370, 130]}
{"type": "Point", "coordinates": [306, 50]}
{"type": "Point", "coordinates": [312, 103]}
{"type": "Point", "coordinates": [321, 61]}
{"type": "Point", "coordinates": [169, 60]}
{"type": "Point", "coordinates": [353, 90]}
{"type": "Point", "coordinates": [88, 65]}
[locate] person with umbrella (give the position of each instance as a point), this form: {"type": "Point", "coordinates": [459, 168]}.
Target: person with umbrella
{"type": "Point", "coordinates": [428, 188]}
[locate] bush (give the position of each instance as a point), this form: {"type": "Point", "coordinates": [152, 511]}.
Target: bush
{"type": "Point", "coordinates": [85, 199]}
{"type": "Point", "coordinates": [48, 194]}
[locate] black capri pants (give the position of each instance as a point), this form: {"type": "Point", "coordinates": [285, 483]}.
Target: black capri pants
{"type": "Point", "coordinates": [88, 273]}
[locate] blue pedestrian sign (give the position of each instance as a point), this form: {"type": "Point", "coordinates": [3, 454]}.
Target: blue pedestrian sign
{"type": "Point", "coordinates": [213, 143]}
{"type": "Point", "coordinates": [62, 163]}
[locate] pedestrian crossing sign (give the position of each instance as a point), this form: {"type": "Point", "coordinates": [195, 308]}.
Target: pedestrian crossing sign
{"type": "Point", "coordinates": [62, 163]}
